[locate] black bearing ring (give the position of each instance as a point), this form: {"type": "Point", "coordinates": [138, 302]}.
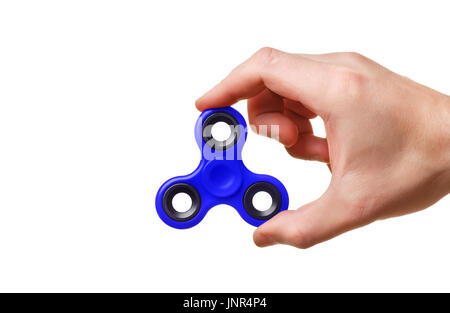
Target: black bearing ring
{"type": "Point", "coordinates": [176, 189]}
{"type": "Point", "coordinates": [207, 128]}
{"type": "Point", "coordinates": [272, 191]}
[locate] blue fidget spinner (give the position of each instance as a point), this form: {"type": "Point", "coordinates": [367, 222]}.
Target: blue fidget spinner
{"type": "Point", "coordinates": [220, 178]}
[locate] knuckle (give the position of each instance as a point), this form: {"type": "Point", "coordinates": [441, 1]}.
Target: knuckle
{"type": "Point", "coordinates": [267, 55]}
{"type": "Point", "coordinates": [291, 152]}
{"type": "Point", "coordinates": [350, 83]}
{"type": "Point", "coordinates": [359, 210]}
{"type": "Point", "coordinates": [299, 238]}
{"type": "Point", "coordinates": [350, 77]}
{"type": "Point", "coordinates": [355, 214]}
{"type": "Point", "coordinates": [355, 57]}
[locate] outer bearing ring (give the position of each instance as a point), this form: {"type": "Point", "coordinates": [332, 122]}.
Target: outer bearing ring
{"type": "Point", "coordinates": [176, 189]}
{"type": "Point", "coordinates": [272, 191]}
{"type": "Point", "coordinates": [220, 117]}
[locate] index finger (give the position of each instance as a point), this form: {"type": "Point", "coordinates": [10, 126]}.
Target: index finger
{"type": "Point", "coordinates": [288, 75]}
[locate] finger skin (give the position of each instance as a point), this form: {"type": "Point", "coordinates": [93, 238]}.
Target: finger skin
{"type": "Point", "coordinates": [310, 147]}
{"type": "Point", "coordinates": [307, 146]}
{"type": "Point", "coordinates": [266, 117]}
{"type": "Point", "coordinates": [277, 126]}
{"type": "Point", "coordinates": [298, 108]}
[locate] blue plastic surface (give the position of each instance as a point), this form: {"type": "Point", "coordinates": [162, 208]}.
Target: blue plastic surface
{"type": "Point", "coordinates": [220, 178]}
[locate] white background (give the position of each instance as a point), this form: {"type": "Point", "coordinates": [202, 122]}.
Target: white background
{"type": "Point", "coordinates": [97, 111]}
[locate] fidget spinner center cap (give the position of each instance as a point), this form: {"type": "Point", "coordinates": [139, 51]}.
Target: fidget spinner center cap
{"type": "Point", "coordinates": [221, 179]}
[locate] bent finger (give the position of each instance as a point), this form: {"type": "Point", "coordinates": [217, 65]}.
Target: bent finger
{"type": "Point", "coordinates": [290, 76]}
{"type": "Point", "coordinates": [265, 112]}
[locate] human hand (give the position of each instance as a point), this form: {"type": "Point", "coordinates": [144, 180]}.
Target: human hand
{"type": "Point", "coordinates": [388, 138]}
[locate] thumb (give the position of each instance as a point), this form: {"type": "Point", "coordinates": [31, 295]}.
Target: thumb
{"type": "Point", "coordinates": [318, 221]}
